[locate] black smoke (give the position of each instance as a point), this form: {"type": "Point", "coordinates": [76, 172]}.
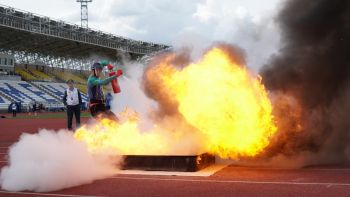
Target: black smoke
{"type": "Point", "coordinates": [312, 70]}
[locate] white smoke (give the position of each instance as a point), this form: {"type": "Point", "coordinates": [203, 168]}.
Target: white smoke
{"type": "Point", "coordinates": [131, 94]}
{"type": "Point", "coordinates": [132, 97]}
{"type": "Point", "coordinates": [50, 160]}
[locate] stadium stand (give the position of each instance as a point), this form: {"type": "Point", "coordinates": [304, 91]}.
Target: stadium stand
{"type": "Point", "coordinates": [79, 79]}
{"type": "Point", "coordinates": [48, 93]}
{"type": "Point", "coordinates": [25, 74]}
{"type": "Point", "coordinates": [42, 51]}
{"type": "Point", "coordinates": [36, 88]}
{"type": "Point", "coordinates": [24, 92]}
{"type": "Point", "coordinates": [82, 88]}
{"type": "Point", "coordinates": [85, 75]}
{"type": "Point", "coordinates": [40, 75]}
{"type": "Point", "coordinates": [65, 76]}
{"type": "Point", "coordinates": [4, 103]}
{"type": "Point", "coordinates": [57, 89]}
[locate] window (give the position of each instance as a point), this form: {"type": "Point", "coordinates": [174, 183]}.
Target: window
{"type": "Point", "coordinates": [11, 61]}
{"type": "Point", "coordinates": [0, 61]}
{"type": "Point", "coordinates": [5, 61]}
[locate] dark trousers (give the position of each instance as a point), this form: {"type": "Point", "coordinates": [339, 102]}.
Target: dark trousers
{"type": "Point", "coordinates": [99, 110]}
{"type": "Point", "coordinates": [73, 109]}
{"type": "Point", "coordinates": [14, 113]}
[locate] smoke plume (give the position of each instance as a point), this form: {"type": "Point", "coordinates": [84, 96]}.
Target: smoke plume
{"type": "Point", "coordinates": [50, 160]}
{"type": "Point", "coordinates": [132, 95]}
{"type": "Point", "coordinates": [310, 81]}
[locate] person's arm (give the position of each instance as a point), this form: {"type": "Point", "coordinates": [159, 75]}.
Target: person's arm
{"type": "Point", "coordinates": [65, 98]}
{"type": "Point", "coordinates": [96, 81]}
{"type": "Point", "coordinates": [79, 97]}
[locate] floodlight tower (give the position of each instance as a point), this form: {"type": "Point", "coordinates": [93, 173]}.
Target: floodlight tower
{"type": "Point", "coordinates": [84, 12]}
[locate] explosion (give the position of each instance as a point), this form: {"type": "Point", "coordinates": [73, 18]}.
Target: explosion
{"type": "Point", "coordinates": [218, 107]}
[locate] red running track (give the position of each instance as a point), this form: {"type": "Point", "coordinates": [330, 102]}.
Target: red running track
{"type": "Point", "coordinates": [230, 181]}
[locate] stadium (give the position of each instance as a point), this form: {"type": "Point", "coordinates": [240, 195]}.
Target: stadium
{"type": "Point", "coordinates": [39, 54]}
{"type": "Point", "coordinates": [250, 98]}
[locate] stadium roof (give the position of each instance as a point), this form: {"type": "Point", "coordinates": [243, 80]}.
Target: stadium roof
{"type": "Point", "coordinates": [31, 37]}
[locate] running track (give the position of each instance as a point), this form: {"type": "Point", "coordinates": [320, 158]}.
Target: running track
{"type": "Point", "coordinates": [230, 181]}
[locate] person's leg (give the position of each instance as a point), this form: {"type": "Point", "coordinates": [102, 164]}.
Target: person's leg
{"type": "Point", "coordinates": [97, 109]}
{"type": "Point", "coordinates": [69, 117]}
{"type": "Point", "coordinates": [77, 115]}
{"type": "Point", "coordinates": [13, 113]}
{"type": "Point", "coordinates": [92, 110]}
{"type": "Point", "coordinates": [110, 115]}
{"type": "Point", "coordinates": [105, 113]}
{"type": "Point", "coordinates": [101, 109]}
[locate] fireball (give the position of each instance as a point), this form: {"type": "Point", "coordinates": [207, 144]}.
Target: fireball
{"type": "Point", "coordinates": [227, 108]}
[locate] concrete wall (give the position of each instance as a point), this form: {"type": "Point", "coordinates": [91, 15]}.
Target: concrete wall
{"type": "Point", "coordinates": [10, 77]}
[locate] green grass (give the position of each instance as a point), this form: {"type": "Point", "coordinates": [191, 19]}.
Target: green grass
{"type": "Point", "coordinates": [46, 115]}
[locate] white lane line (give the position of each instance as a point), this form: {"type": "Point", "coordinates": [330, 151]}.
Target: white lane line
{"type": "Point", "coordinates": [289, 169]}
{"type": "Point", "coordinates": [233, 181]}
{"type": "Point", "coordinates": [325, 169]}
{"type": "Point", "coordinates": [298, 170]}
{"type": "Point", "coordinates": [44, 194]}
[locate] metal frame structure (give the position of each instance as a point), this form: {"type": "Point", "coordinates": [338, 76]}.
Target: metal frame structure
{"type": "Point", "coordinates": [32, 38]}
{"type": "Point", "coordinates": [84, 12]}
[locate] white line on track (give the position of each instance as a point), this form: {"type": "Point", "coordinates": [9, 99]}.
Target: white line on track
{"type": "Point", "coordinates": [325, 169]}
{"type": "Point", "coordinates": [301, 169]}
{"type": "Point", "coordinates": [287, 169]}
{"type": "Point", "coordinates": [44, 194]}
{"type": "Point", "coordinates": [233, 181]}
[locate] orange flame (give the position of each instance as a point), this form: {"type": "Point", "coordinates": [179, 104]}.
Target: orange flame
{"type": "Point", "coordinates": [228, 109]}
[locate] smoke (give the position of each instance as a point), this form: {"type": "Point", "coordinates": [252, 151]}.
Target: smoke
{"type": "Point", "coordinates": [132, 94]}
{"type": "Point", "coordinates": [50, 160]}
{"type": "Point", "coordinates": [309, 79]}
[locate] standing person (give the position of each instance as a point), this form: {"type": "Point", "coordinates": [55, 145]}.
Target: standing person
{"type": "Point", "coordinates": [41, 107]}
{"type": "Point", "coordinates": [96, 98]}
{"type": "Point", "coordinates": [29, 108]}
{"type": "Point", "coordinates": [34, 108]}
{"type": "Point", "coordinates": [72, 100]}
{"type": "Point", "coordinates": [14, 109]}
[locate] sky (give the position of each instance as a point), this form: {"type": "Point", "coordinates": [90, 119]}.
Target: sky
{"type": "Point", "coordinates": [248, 24]}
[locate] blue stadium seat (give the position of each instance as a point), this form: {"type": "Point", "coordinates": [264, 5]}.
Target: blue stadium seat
{"type": "Point", "coordinates": [14, 93]}
{"type": "Point", "coordinates": [54, 90]}
{"type": "Point", "coordinates": [58, 89]}
{"type": "Point", "coordinates": [37, 92]}
{"type": "Point", "coordinates": [24, 92]}
{"type": "Point", "coordinates": [2, 100]}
